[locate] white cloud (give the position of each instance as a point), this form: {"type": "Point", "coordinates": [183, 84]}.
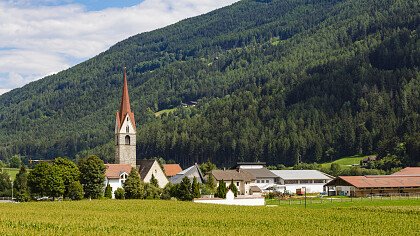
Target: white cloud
{"type": "Point", "coordinates": [36, 41]}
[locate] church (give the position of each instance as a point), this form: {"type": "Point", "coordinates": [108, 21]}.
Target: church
{"type": "Point", "coordinates": [125, 149]}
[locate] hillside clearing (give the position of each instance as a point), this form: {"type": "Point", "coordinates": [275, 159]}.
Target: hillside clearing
{"type": "Point", "coordinates": [345, 162]}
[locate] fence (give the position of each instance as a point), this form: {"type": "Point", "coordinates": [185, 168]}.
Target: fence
{"type": "Point", "coordinates": [332, 199]}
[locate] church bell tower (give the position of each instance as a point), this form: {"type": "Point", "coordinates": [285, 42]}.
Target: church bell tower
{"type": "Point", "coordinates": [125, 130]}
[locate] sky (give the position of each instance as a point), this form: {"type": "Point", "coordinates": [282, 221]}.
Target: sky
{"type": "Point", "coordinates": [42, 37]}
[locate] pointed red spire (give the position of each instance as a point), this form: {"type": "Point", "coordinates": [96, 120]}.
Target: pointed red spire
{"type": "Point", "coordinates": [125, 104]}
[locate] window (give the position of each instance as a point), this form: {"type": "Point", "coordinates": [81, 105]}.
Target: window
{"type": "Point", "coordinates": [319, 181]}
{"type": "Point", "coordinates": [127, 118]}
{"type": "Point", "coordinates": [258, 181]}
{"type": "Point", "coordinates": [237, 184]}
{"type": "Point", "coordinates": [267, 181]}
{"type": "Point", "coordinates": [127, 140]}
{"type": "Point", "coordinates": [127, 129]}
{"type": "Point", "coordinates": [123, 178]}
{"type": "Point", "coordinates": [290, 182]}
{"type": "Point", "coordinates": [306, 181]}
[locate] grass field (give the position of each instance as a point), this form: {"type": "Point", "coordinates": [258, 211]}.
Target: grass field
{"type": "Point", "coordinates": [159, 113]}
{"type": "Point", "coordinates": [345, 162]}
{"type": "Point", "coordinates": [12, 172]}
{"type": "Point", "coordinates": [142, 217]}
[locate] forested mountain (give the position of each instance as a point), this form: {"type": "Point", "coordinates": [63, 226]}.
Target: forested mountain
{"type": "Point", "coordinates": [279, 81]}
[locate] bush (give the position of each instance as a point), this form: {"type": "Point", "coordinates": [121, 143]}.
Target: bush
{"type": "Point", "coordinates": [76, 191]}
{"type": "Point", "coordinates": [108, 191]}
{"type": "Point", "coordinates": [119, 193]}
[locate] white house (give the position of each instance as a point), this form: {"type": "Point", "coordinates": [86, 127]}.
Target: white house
{"type": "Point", "coordinates": [264, 178]}
{"type": "Point", "coordinates": [115, 175]}
{"type": "Point", "coordinates": [312, 180]}
{"type": "Point", "coordinates": [147, 168]}
{"type": "Point", "coordinates": [240, 178]}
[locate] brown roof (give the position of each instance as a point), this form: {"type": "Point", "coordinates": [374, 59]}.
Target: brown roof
{"type": "Point", "coordinates": [125, 105]}
{"type": "Point", "coordinates": [113, 171]}
{"type": "Point", "coordinates": [261, 173]}
{"type": "Point", "coordinates": [172, 169]}
{"type": "Point", "coordinates": [377, 181]}
{"type": "Point", "coordinates": [255, 189]}
{"type": "Point", "coordinates": [408, 171]}
{"type": "Point", "coordinates": [228, 175]}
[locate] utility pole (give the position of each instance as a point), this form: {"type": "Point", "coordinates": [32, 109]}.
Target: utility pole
{"type": "Point", "coordinates": [305, 196]}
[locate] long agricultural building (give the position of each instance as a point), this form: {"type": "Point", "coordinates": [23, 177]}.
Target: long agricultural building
{"type": "Point", "coordinates": [406, 181]}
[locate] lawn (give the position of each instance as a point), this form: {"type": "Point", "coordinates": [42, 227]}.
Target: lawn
{"type": "Point", "coordinates": [166, 111]}
{"type": "Point", "coordinates": [345, 162]}
{"type": "Point", "coordinates": [147, 217]}
{"type": "Point", "coordinates": [12, 172]}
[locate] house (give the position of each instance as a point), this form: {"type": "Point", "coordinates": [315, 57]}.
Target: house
{"type": "Point", "coordinates": [240, 178]}
{"type": "Point", "coordinates": [406, 181]}
{"type": "Point", "coordinates": [147, 168]}
{"type": "Point", "coordinates": [115, 175]}
{"type": "Point", "coordinates": [190, 172]}
{"type": "Point", "coordinates": [312, 180]}
{"type": "Point", "coordinates": [264, 178]}
{"type": "Point", "coordinates": [171, 169]}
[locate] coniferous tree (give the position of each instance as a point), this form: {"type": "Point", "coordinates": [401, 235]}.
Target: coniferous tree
{"type": "Point", "coordinates": [133, 186]}
{"type": "Point", "coordinates": [21, 185]}
{"type": "Point", "coordinates": [221, 190]}
{"type": "Point", "coordinates": [154, 181]}
{"type": "Point", "coordinates": [119, 193]}
{"type": "Point", "coordinates": [185, 191]}
{"type": "Point", "coordinates": [234, 189]}
{"type": "Point", "coordinates": [108, 191]}
{"type": "Point", "coordinates": [5, 184]}
{"type": "Point", "coordinates": [195, 188]}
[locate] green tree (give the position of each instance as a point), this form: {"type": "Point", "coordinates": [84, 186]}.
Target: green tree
{"type": "Point", "coordinates": [152, 192]}
{"type": "Point", "coordinates": [21, 185]}
{"type": "Point", "coordinates": [167, 191]}
{"type": "Point", "coordinates": [5, 184]}
{"type": "Point", "coordinates": [195, 188]}
{"type": "Point", "coordinates": [119, 193]}
{"type": "Point", "coordinates": [154, 181]}
{"type": "Point", "coordinates": [15, 161]}
{"type": "Point", "coordinates": [108, 191]}
{"type": "Point", "coordinates": [221, 190]}
{"type": "Point", "coordinates": [133, 186]}
{"type": "Point", "coordinates": [185, 191]}
{"type": "Point", "coordinates": [211, 183]}
{"type": "Point", "coordinates": [92, 170]}
{"type": "Point", "coordinates": [45, 180]}
{"type": "Point", "coordinates": [207, 167]}
{"type": "Point", "coordinates": [234, 189]}
{"type": "Point", "coordinates": [335, 169]}
{"type": "Point", "coordinates": [69, 172]}
{"type": "Point", "coordinates": [75, 191]}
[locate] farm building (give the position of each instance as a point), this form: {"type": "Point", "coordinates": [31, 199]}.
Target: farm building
{"type": "Point", "coordinates": [147, 168]}
{"type": "Point", "coordinates": [406, 181]}
{"type": "Point", "coordinates": [312, 180]}
{"type": "Point", "coordinates": [264, 178]}
{"type": "Point", "coordinates": [239, 177]}
{"type": "Point", "coordinates": [115, 175]}
{"type": "Point", "coordinates": [190, 172]}
{"type": "Point", "coordinates": [171, 169]}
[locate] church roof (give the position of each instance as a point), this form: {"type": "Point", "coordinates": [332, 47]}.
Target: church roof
{"type": "Point", "coordinates": [113, 171]}
{"type": "Point", "coordinates": [125, 105]}
{"type": "Point", "coordinates": [145, 166]}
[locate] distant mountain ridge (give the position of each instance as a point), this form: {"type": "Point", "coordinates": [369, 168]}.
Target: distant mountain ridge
{"type": "Point", "coordinates": [281, 81]}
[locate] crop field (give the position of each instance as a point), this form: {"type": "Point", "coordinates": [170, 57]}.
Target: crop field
{"type": "Point", "coordinates": [143, 217]}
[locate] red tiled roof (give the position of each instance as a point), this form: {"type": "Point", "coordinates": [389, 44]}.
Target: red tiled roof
{"type": "Point", "coordinates": [113, 171]}
{"type": "Point", "coordinates": [380, 181]}
{"type": "Point", "coordinates": [125, 105]}
{"type": "Point", "coordinates": [172, 169]}
{"type": "Point", "coordinates": [408, 171]}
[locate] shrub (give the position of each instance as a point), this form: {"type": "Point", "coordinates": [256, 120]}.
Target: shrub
{"type": "Point", "coordinates": [119, 193]}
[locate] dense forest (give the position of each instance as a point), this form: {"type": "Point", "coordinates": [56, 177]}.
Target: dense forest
{"type": "Point", "coordinates": [281, 81]}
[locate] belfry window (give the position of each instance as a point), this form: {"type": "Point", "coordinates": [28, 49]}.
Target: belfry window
{"type": "Point", "coordinates": [127, 129]}
{"type": "Point", "coordinates": [127, 140]}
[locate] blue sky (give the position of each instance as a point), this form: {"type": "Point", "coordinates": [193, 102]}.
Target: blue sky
{"type": "Point", "coordinates": [42, 37]}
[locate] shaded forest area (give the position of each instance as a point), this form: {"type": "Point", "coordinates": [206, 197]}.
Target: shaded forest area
{"type": "Point", "coordinates": [281, 81]}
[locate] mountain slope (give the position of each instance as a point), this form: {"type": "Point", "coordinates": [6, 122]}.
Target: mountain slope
{"type": "Point", "coordinates": [279, 81]}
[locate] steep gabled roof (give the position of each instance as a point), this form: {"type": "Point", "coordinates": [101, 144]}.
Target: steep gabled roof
{"type": "Point", "coordinates": [113, 171]}
{"type": "Point", "coordinates": [125, 105]}
{"type": "Point", "coordinates": [145, 166]}
{"type": "Point", "coordinates": [172, 169]}
{"type": "Point", "coordinates": [190, 172]}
